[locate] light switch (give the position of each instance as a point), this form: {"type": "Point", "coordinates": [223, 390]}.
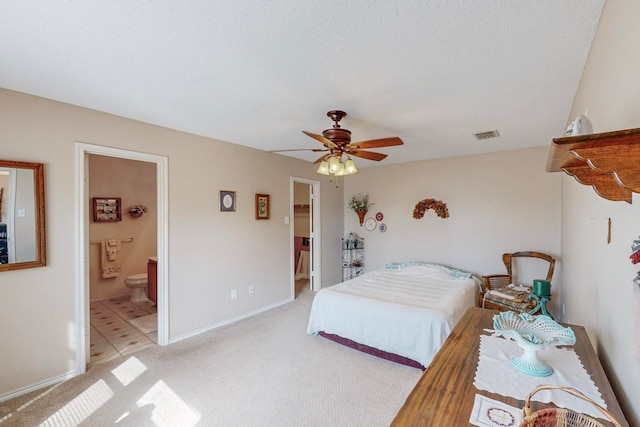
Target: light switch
{"type": "Point", "coordinates": [286, 220]}
{"type": "Point", "coordinates": [22, 213]}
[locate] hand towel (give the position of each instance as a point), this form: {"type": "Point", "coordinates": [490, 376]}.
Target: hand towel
{"type": "Point", "coordinates": [109, 260]}
{"type": "Point", "coordinates": [302, 269]}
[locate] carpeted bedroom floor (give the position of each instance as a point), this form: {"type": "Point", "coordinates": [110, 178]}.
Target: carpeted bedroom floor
{"type": "Point", "coordinates": [261, 371]}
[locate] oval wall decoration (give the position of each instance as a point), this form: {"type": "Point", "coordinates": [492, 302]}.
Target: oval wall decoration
{"type": "Point", "coordinates": [439, 207]}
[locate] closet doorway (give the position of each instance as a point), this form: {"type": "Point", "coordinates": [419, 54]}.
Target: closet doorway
{"type": "Point", "coordinates": [305, 235]}
{"type": "Point", "coordinates": [83, 151]}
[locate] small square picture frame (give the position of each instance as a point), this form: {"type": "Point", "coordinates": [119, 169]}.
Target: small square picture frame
{"type": "Point", "coordinates": [106, 209]}
{"type": "Point", "coordinates": [227, 201]}
{"type": "Point", "coordinates": [262, 206]}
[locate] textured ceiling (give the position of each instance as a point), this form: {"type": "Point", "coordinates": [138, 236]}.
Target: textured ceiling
{"type": "Point", "coordinates": [257, 72]}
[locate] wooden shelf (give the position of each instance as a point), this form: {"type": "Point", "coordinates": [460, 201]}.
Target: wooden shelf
{"type": "Point", "coordinates": [606, 161]}
{"type": "Point", "coordinates": [301, 209]}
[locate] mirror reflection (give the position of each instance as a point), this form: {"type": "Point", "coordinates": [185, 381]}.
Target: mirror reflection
{"type": "Point", "coordinates": [22, 228]}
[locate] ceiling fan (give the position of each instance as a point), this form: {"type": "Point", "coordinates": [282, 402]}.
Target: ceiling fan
{"type": "Point", "coordinates": [337, 145]}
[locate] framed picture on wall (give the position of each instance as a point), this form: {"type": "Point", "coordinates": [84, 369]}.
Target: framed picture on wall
{"type": "Point", "coordinates": [262, 206]}
{"type": "Point", "coordinates": [227, 201]}
{"type": "Point", "coordinates": [106, 209]}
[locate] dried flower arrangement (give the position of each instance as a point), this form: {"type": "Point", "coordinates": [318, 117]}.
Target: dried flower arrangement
{"type": "Point", "coordinates": [359, 202]}
{"type": "Point", "coordinates": [438, 206]}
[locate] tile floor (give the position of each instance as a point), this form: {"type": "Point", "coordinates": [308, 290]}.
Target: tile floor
{"type": "Point", "coordinates": [111, 333]}
{"type": "Point", "coordinates": [302, 285]}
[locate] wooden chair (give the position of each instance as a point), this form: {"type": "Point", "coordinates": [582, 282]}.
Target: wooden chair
{"type": "Point", "coordinates": [504, 297]}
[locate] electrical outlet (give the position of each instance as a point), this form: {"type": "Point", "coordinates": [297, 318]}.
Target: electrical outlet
{"type": "Point", "coordinates": [234, 294]}
{"type": "Point", "coordinates": [250, 290]}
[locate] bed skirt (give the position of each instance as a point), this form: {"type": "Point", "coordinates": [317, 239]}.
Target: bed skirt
{"type": "Point", "coordinates": [372, 351]}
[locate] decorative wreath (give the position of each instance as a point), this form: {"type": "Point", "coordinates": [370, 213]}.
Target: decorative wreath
{"type": "Point", "coordinates": [438, 206]}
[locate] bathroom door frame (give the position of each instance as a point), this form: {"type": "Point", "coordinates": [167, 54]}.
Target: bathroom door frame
{"type": "Point", "coordinates": [315, 265]}
{"type": "Point", "coordinates": [82, 150]}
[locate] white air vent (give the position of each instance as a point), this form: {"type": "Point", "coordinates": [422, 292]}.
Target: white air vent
{"type": "Point", "coordinates": [487, 135]}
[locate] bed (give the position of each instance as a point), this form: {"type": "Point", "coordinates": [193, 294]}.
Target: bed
{"type": "Point", "coordinates": [401, 312]}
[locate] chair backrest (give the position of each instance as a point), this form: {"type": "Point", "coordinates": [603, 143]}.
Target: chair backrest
{"type": "Point", "coordinates": [511, 263]}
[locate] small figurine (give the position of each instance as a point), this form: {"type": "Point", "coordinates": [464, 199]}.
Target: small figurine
{"type": "Point", "coordinates": [581, 126]}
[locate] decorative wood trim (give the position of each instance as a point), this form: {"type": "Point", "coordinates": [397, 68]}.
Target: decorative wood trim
{"type": "Point", "coordinates": [604, 184]}
{"type": "Point", "coordinates": [601, 160]}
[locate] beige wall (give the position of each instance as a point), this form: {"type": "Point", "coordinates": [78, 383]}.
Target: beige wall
{"type": "Point", "coordinates": [134, 182]}
{"type": "Point", "coordinates": [210, 253]}
{"type": "Point", "coordinates": [500, 202]}
{"type": "Point", "coordinates": [598, 276]}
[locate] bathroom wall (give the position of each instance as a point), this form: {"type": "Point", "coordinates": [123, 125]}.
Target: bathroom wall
{"type": "Point", "coordinates": [25, 232]}
{"type": "Point", "coordinates": [135, 183]}
{"type": "Point", "coordinates": [4, 183]}
{"type": "Point", "coordinates": [301, 218]}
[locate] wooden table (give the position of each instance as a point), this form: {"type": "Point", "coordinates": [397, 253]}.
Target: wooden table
{"type": "Point", "coordinates": [445, 393]}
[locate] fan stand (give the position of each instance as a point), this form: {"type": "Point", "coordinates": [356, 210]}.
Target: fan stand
{"type": "Point", "coordinates": [336, 116]}
{"type": "Point", "coordinates": [337, 135]}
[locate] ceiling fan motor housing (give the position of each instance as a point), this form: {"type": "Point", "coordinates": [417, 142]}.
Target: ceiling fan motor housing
{"type": "Point", "coordinates": [339, 136]}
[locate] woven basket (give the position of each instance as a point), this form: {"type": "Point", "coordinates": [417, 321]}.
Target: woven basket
{"type": "Point", "coordinates": [561, 417]}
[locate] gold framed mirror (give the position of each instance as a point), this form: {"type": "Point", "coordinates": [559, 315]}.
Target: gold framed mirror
{"type": "Point", "coordinates": [22, 219]}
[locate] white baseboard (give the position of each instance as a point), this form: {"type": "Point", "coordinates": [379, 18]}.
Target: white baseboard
{"type": "Point", "coordinates": [228, 321]}
{"type": "Point", "coordinates": [37, 386]}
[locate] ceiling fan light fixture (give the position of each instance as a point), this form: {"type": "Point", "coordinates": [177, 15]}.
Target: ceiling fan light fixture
{"type": "Point", "coordinates": [323, 168]}
{"type": "Point", "coordinates": [334, 164]}
{"type": "Point", "coordinates": [350, 167]}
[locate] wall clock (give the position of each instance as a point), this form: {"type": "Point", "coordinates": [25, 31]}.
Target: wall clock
{"type": "Point", "coordinates": [370, 224]}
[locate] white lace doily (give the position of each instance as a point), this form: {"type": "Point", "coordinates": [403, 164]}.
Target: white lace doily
{"type": "Point", "coordinates": [495, 374]}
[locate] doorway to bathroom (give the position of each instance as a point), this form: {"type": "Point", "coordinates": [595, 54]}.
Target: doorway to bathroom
{"type": "Point", "coordinates": [117, 250]}
{"type": "Point", "coordinates": [122, 251]}
{"type": "Point", "coordinates": [305, 233]}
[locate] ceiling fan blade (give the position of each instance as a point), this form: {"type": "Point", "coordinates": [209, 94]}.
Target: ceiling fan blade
{"type": "Point", "coordinates": [376, 143]}
{"type": "Point", "coordinates": [369, 155]}
{"type": "Point", "coordinates": [326, 142]}
{"type": "Point", "coordinates": [325, 157]}
{"type": "Point", "coordinates": [315, 150]}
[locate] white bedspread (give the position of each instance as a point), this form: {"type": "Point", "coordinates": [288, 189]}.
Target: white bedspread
{"type": "Point", "coordinates": [407, 311]}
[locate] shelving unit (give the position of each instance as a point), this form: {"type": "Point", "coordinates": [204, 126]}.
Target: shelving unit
{"type": "Point", "coordinates": [606, 161]}
{"type": "Point", "coordinates": [352, 256]}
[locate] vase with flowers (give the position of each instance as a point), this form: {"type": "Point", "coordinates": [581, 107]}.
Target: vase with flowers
{"type": "Point", "coordinates": [360, 204]}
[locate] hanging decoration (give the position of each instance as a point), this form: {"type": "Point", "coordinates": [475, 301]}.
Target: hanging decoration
{"type": "Point", "coordinates": [360, 205]}
{"type": "Point", "coordinates": [635, 258]}
{"type": "Point", "coordinates": [136, 211]}
{"type": "Point", "coordinates": [439, 207]}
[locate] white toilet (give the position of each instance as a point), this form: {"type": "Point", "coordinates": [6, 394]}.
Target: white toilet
{"type": "Point", "coordinates": [138, 285]}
